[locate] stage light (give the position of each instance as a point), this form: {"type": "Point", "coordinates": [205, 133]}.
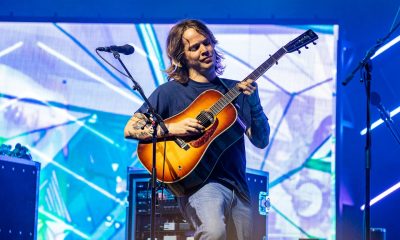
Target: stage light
{"type": "Point", "coordinates": [380, 121]}
{"type": "Point", "coordinates": [386, 47]}
{"type": "Point", "coordinates": [11, 49]}
{"type": "Point", "coordinates": [382, 195]}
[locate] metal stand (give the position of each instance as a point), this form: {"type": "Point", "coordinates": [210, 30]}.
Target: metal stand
{"type": "Point", "coordinates": [157, 121]}
{"type": "Point", "coordinates": [367, 83]}
{"type": "Point", "coordinates": [366, 66]}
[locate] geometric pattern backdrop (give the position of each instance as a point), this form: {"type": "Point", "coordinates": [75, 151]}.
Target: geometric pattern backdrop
{"type": "Point", "coordinates": [62, 102]}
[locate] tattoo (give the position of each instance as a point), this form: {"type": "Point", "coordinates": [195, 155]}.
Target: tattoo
{"type": "Point", "coordinates": [139, 127]}
{"type": "Point", "coordinates": [138, 124]}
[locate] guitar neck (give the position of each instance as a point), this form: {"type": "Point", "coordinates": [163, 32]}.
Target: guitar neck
{"type": "Point", "coordinates": [234, 92]}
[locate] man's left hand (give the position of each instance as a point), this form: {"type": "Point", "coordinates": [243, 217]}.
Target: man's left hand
{"type": "Point", "coordinates": [247, 87]}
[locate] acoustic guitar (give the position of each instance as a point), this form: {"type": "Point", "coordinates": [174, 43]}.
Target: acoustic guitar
{"type": "Point", "coordinates": [185, 163]}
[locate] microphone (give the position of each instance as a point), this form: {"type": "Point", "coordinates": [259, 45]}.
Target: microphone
{"type": "Point", "coordinates": [376, 101]}
{"type": "Point", "coordinates": [385, 116]}
{"type": "Point", "coordinates": [125, 49]}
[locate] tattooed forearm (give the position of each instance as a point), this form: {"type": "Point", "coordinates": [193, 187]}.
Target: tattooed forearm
{"type": "Point", "coordinates": [138, 124]}
{"type": "Point", "coordinates": [139, 127]}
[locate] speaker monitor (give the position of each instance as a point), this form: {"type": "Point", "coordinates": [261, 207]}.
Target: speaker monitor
{"type": "Point", "coordinates": [19, 181]}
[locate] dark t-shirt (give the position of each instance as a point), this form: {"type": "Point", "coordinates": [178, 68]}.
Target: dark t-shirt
{"type": "Point", "coordinates": [173, 97]}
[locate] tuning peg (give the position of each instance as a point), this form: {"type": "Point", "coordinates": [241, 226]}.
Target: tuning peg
{"type": "Point", "coordinates": [306, 47]}
{"type": "Point", "coordinates": [314, 43]}
{"type": "Point", "coordinates": [299, 51]}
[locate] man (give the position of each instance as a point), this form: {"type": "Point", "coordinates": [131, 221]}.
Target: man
{"type": "Point", "coordinates": [219, 208]}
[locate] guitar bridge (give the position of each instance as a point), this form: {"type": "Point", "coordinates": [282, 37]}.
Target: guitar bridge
{"type": "Point", "coordinates": [182, 144]}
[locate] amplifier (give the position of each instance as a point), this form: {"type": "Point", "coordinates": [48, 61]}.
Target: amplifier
{"type": "Point", "coordinates": [169, 221]}
{"type": "Point", "coordinates": [19, 189]}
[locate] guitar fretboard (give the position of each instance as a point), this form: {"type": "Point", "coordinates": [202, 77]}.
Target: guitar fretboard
{"type": "Point", "coordinates": [234, 92]}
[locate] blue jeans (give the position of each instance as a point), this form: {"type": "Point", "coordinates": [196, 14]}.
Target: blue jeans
{"type": "Point", "coordinates": [217, 213]}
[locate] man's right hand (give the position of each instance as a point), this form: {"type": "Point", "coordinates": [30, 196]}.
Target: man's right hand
{"type": "Point", "coordinates": [139, 127]}
{"type": "Point", "coordinates": [186, 127]}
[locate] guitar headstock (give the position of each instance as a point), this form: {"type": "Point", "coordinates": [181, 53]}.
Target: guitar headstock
{"type": "Point", "coordinates": [307, 37]}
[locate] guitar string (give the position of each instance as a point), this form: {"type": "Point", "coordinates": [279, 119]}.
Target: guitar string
{"type": "Point", "coordinates": [233, 93]}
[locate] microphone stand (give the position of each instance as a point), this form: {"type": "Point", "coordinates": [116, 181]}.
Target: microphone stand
{"type": "Point", "coordinates": [157, 121]}
{"type": "Point", "coordinates": [366, 66]}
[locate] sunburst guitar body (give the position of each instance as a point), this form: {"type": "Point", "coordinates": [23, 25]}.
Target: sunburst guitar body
{"type": "Point", "coordinates": [183, 167]}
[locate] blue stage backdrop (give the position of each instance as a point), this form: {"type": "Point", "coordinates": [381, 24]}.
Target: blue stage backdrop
{"type": "Point", "coordinates": [61, 101]}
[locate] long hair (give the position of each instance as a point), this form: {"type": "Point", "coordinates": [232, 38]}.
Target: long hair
{"type": "Point", "coordinates": [175, 49]}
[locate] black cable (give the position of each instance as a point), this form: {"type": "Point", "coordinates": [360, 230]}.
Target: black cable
{"type": "Point", "coordinates": [97, 52]}
{"type": "Point", "coordinates": [394, 20]}
{"type": "Point", "coordinates": [162, 179]}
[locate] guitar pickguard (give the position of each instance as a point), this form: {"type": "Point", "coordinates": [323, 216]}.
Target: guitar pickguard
{"type": "Point", "coordinates": [205, 137]}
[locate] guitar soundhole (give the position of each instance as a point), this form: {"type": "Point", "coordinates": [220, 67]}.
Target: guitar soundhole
{"type": "Point", "coordinates": [206, 118]}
